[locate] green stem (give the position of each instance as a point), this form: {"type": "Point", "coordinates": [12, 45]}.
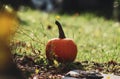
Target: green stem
{"type": "Point", "coordinates": [61, 32]}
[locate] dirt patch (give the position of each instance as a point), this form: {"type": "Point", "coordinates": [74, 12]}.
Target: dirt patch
{"type": "Point", "coordinates": [32, 69]}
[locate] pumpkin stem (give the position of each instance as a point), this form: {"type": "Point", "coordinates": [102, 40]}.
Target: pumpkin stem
{"type": "Point", "coordinates": [61, 32]}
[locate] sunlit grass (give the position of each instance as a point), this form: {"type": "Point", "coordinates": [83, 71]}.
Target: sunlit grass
{"type": "Point", "coordinates": [97, 39]}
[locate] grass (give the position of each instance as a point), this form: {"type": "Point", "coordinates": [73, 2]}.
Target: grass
{"type": "Point", "coordinates": [97, 39]}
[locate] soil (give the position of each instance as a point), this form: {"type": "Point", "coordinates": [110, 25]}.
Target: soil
{"type": "Point", "coordinates": [35, 70]}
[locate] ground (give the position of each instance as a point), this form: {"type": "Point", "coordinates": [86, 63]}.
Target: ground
{"type": "Point", "coordinates": [97, 40]}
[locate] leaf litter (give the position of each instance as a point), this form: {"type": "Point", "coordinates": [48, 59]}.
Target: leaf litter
{"type": "Point", "coordinates": [35, 65]}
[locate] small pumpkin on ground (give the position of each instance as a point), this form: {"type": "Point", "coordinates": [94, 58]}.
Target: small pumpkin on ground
{"type": "Point", "coordinates": [61, 49]}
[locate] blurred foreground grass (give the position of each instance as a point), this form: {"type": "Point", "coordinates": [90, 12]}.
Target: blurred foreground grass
{"type": "Point", "coordinates": [97, 39]}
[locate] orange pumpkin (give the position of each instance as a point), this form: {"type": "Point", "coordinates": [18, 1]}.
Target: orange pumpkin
{"type": "Point", "coordinates": [61, 49]}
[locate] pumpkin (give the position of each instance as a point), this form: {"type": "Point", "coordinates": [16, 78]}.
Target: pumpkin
{"type": "Point", "coordinates": [61, 49]}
